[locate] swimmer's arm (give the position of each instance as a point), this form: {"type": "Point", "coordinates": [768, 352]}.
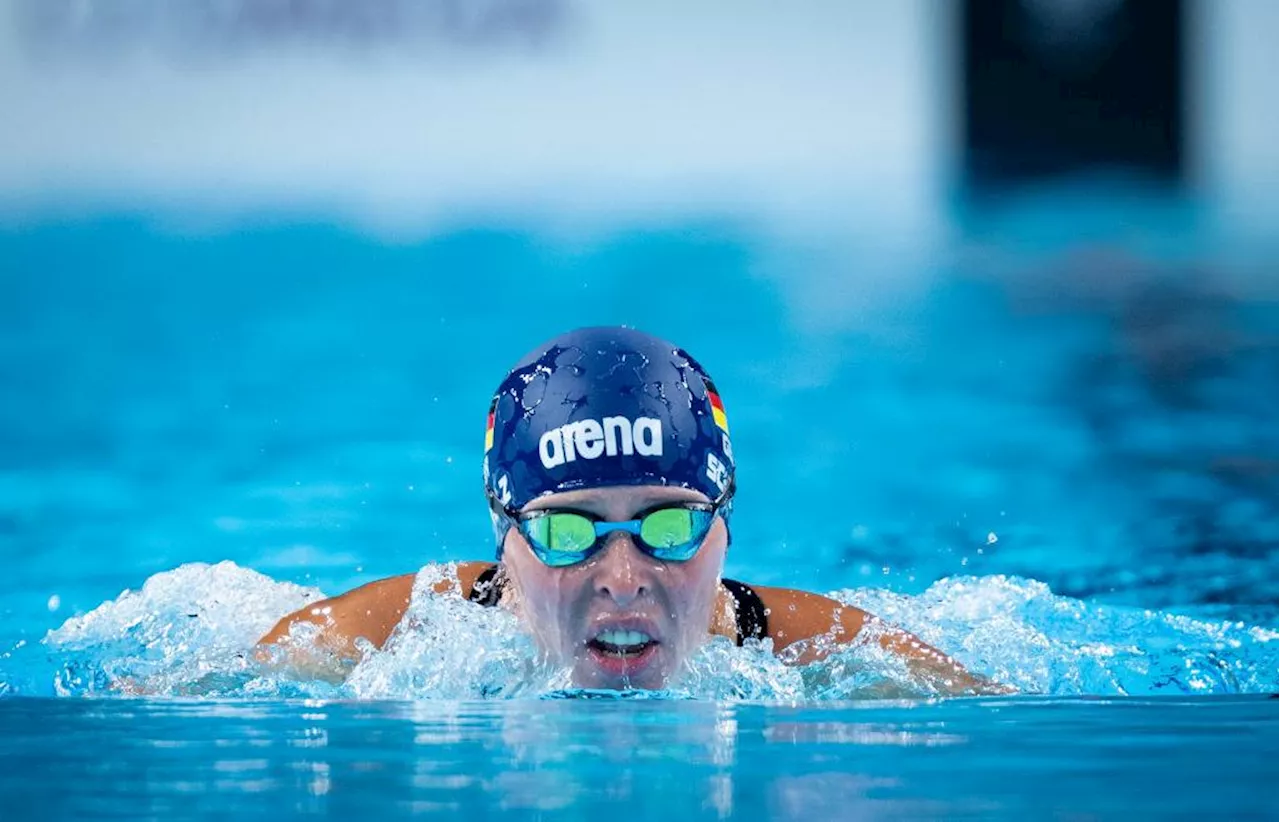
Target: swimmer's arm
{"type": "Point", "coordinates": [370, 612]}
{"type": "Point", "coordinates": [806, 628]}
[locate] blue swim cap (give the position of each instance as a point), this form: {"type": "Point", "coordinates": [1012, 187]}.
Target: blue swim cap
{"type": "Point", "coordinates": [605, 407]}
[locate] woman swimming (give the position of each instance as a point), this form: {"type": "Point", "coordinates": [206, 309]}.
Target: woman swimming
{"type": "Point", "coordinates": [609, 474]}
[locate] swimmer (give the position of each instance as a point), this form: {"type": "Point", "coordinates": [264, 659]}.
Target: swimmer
{"type": "Point", "coordinates": [610, 477]}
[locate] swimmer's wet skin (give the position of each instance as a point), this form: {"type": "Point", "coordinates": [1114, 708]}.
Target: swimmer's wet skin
{"type": "Point", "coordinates": [610, 478]}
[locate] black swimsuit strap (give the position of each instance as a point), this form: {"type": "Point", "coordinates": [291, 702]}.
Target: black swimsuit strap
{"type": "Point", "coordinates": [748, 610]}
{"type": "Point", "coordinates": [487, 590]}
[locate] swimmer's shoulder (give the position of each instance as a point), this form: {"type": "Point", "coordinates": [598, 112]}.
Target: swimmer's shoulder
{"type": "Point", "coordinates": [371, 611]}
{"type": "Point", "coordinates": [794, 615]}
{"type": "Point", "coordinates": [808, 627]}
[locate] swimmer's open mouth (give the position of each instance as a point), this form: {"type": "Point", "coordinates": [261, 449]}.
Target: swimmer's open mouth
{"type": "Point", "coordinates": [621, 643]}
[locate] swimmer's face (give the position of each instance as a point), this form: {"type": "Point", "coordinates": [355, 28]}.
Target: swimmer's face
{"type": "Point", "coordinates": [660, 611]}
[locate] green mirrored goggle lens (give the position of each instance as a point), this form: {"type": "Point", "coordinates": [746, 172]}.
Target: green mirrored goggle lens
{"type": "Point", "coordinates": [562, 532]}
{"type": "Point", "coordinates": [668, 528]}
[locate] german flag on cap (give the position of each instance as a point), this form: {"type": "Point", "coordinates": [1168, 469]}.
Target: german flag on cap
{"type": "Point", "coordinates": [717, 408]}
{"type": "Point", "coordinates": [488, 431]}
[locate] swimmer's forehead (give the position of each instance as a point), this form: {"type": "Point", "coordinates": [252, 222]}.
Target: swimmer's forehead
{"type": "Point", "coordinates": [611, 501]}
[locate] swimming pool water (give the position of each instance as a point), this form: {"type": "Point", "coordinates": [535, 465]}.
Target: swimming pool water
{"type": "Point", "coordinates": [654, 759]}
{"type": "Point", "coordinates": [1055, 461]}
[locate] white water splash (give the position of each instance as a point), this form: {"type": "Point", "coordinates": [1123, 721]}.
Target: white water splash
{"type": "Point", "coordinates": [1018, 632]}
{"type": "Point", "coordinates": [721, 670]}
{"type": "Point", "coordinates": [189, 632]}
{"type": "Point", "coordinates": [184, 631]}
{"type": "Point", "coordinates": [448, 648]}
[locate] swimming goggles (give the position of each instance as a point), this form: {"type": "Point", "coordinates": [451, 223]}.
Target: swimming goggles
{"type": "Point", "coordinates": [671, 531]}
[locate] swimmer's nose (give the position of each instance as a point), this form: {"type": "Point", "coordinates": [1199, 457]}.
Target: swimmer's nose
{"type": "Point", "coordinates": [621, 571]}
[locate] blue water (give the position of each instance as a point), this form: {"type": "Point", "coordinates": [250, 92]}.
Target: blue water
{"type": "Point", "coordinates": [1052, 456]}
{"type": "Point", "coordinates": [552, 759]}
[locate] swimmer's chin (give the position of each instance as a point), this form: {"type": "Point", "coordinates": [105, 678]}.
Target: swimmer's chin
{"type": "Point", "coordinates": [595, 670]}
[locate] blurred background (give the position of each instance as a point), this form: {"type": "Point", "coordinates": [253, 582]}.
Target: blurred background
{"type": "Point", "coordinates": [989, 286]}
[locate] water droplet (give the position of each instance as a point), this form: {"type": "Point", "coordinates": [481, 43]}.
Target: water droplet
{"type": "Point", "coordinates": [54, 603]}
{"type": "Point", "coordinates": [992, 539]}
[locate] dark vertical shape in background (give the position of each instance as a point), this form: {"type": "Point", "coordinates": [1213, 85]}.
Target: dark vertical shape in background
{"type": "Point", "coordinates": [1053, 87]}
